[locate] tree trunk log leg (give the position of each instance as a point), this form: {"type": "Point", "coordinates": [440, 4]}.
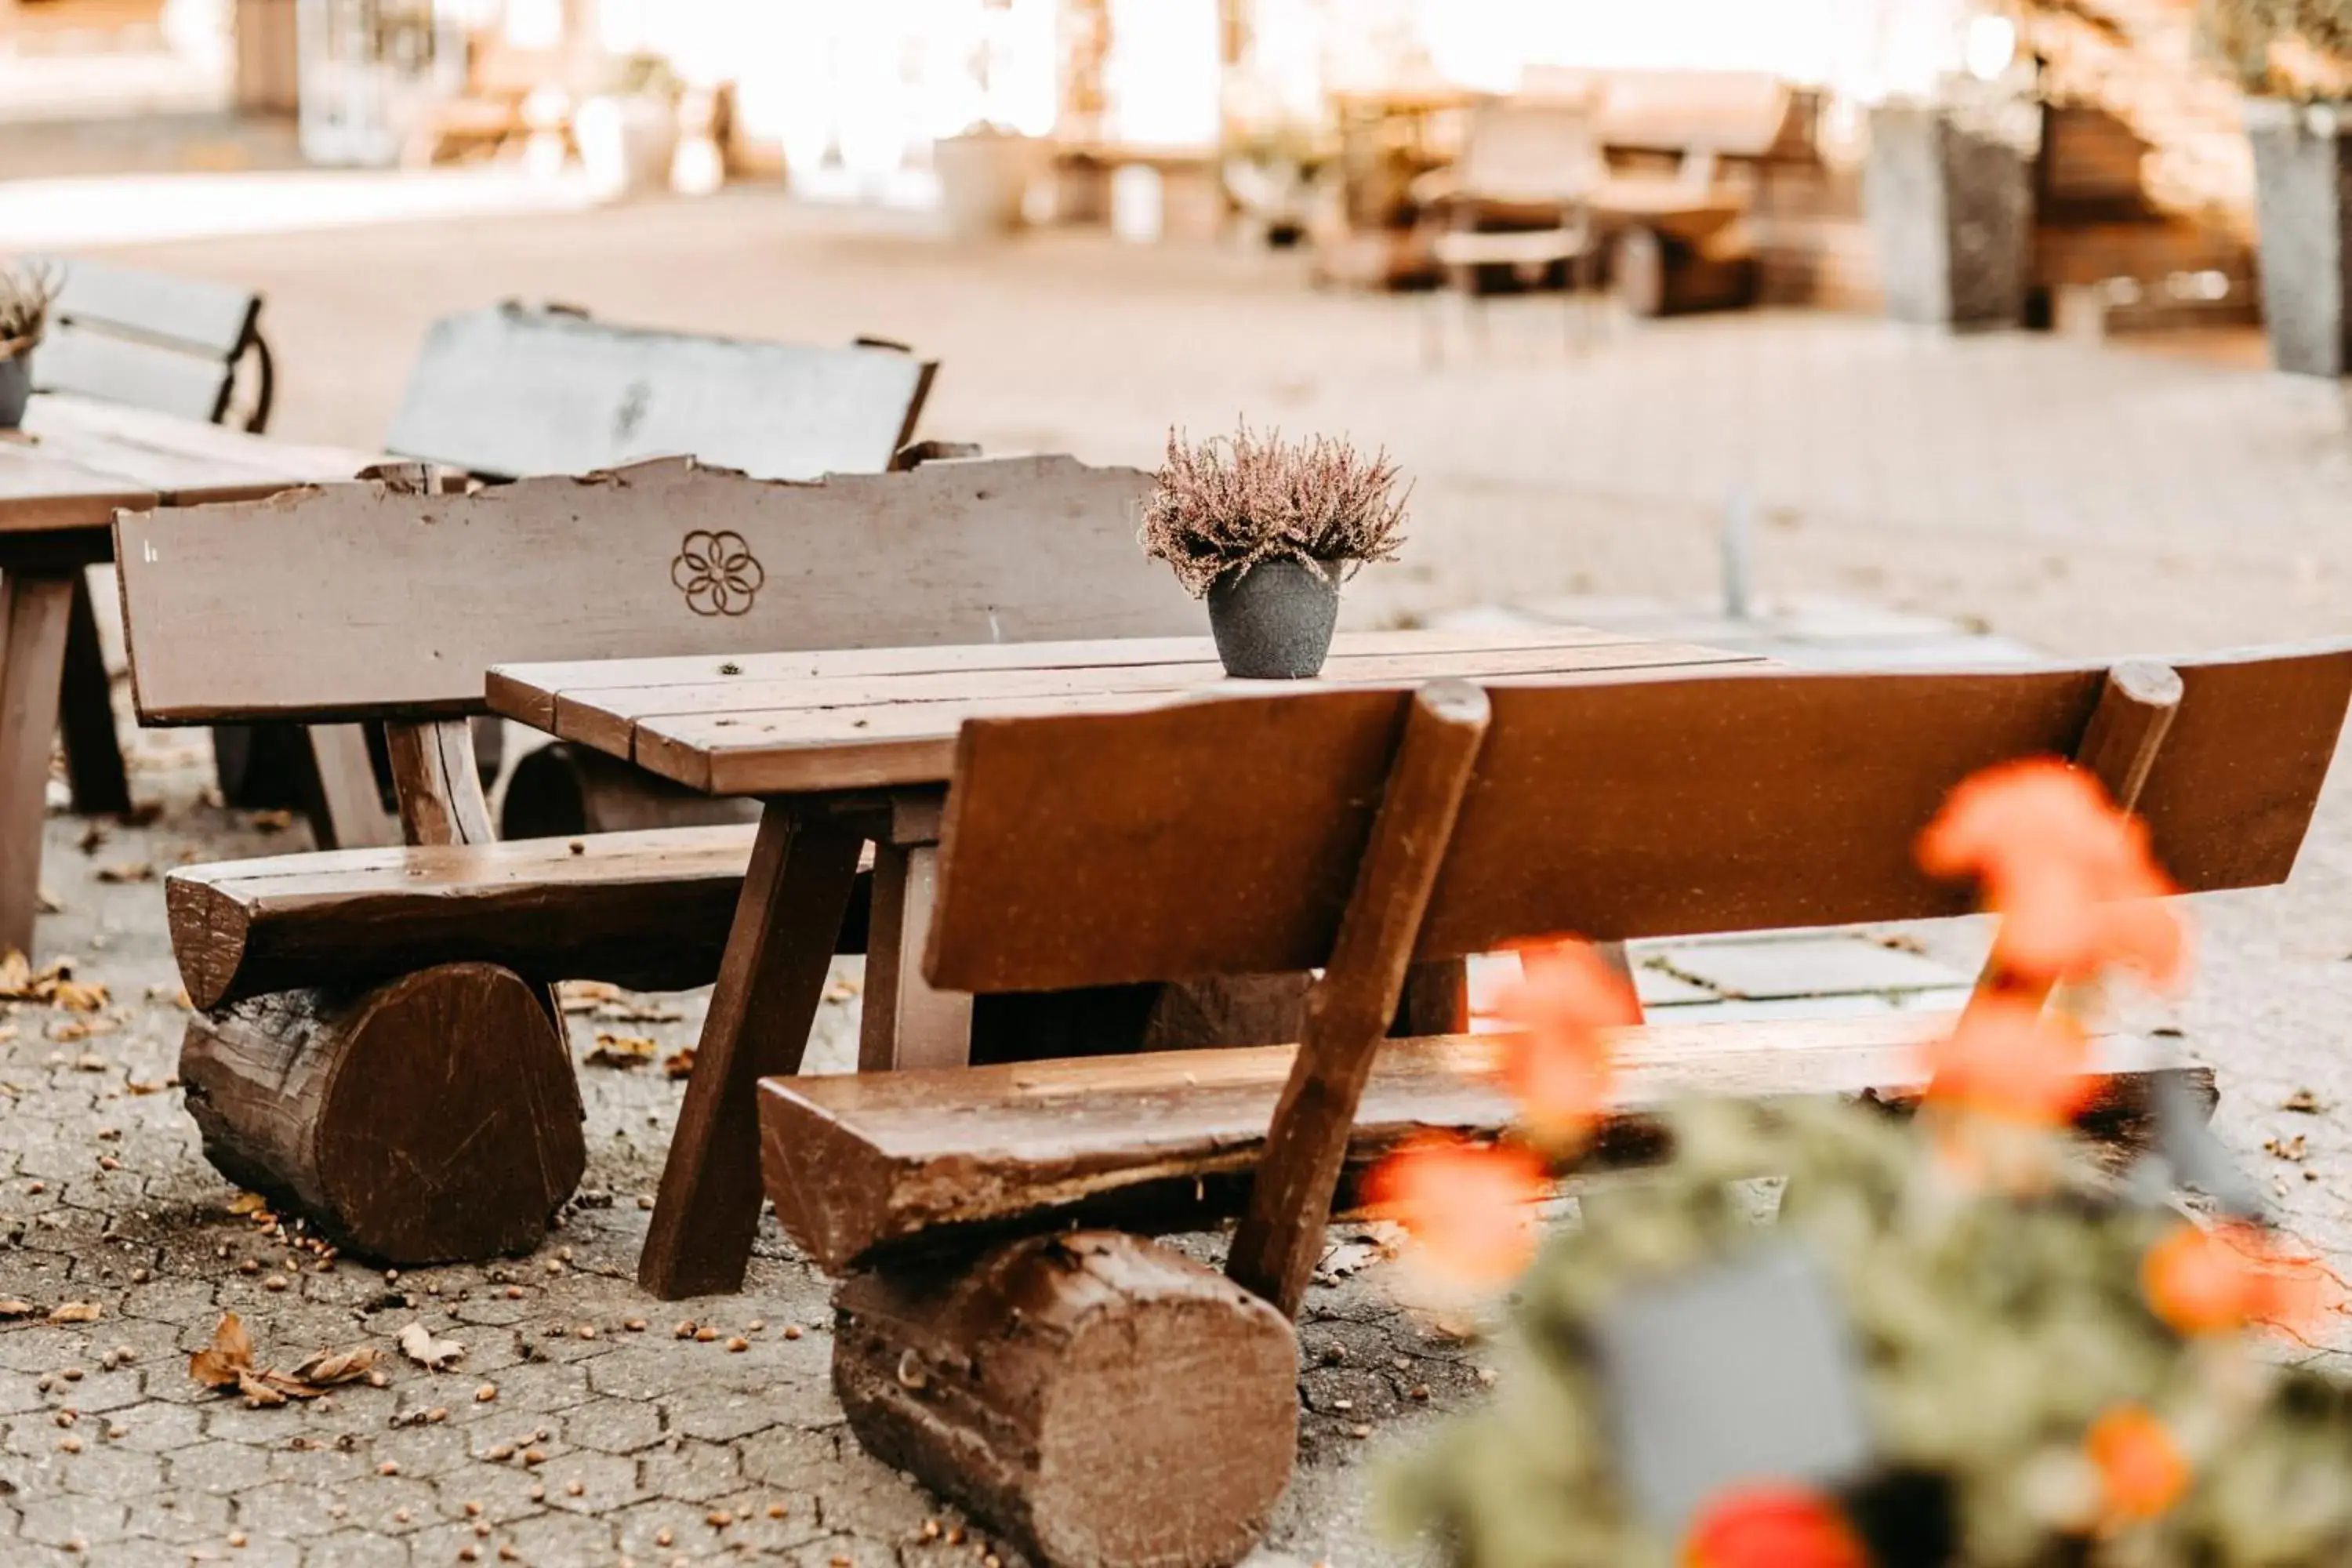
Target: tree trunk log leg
{"type": "Point", "coordinates": [1096, 1398]}
{"type": "Point", "coordinates": [431, 1118]}
{"type": "Point", "coordinates": [86, 715]}
{"type": "Point", "coordinates": [563, 791]}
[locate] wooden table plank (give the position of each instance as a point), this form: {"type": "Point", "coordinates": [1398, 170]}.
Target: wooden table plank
{"type": "Point", "coordinates": [78, 459]}
{"type": "Point", "coordinates": [532, 693]}
{"type": "Point", "coordinates": [609, 720]}
{"type": "Point", "coordinates": [770, 731]}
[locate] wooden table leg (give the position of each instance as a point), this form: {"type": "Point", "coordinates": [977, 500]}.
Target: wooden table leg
{"type": "Point", "coordinates": [34, 610]}
{"type": "Point", "coordinates": [86, 715]}
{"type": "Point", "coordinates": [795, 893]}
{"type": "Point", "coordinates": [906, 1024]}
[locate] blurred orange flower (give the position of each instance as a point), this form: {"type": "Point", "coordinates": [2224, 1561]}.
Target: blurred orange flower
{"type": "Point", "coordinates": [2233, 1277]}
{"type": "Point", "coordinates": [2142, 1471]}
{"type": "Point", "coordinates": [2073, 878]}
{"type": "Point", "coordinates": [1558, 1065]}
{"type": "Point", "coordinates": [1772, 1527]}
{"type": "Point", "coordinates": [1469, 1205]}
{"type": "Point", "coordinates": [2009, 1058]}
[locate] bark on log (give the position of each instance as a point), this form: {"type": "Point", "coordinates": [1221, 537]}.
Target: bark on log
{"type": "Point", "coordinates": [1094, 1397]}
{"type": "Point", "coordinates": [563, 791]}
{"type": "Point", "coordinates": [431, 1119]}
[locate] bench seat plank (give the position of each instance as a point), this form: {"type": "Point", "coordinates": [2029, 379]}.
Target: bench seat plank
{"type": "Point", "coordinates": [862, 1164]}
{"type": "Point", "coordinates": [647, 909]}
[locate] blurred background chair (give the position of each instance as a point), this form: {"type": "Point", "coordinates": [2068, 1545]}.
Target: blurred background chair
{"type": "Point", "coordinates": [1516, 205]}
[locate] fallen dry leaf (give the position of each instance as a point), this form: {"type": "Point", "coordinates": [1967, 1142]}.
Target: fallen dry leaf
{"type": "Point", "coordinates": [586, 996]}
{"type": "Point", "coordinates": [78, 1312]}
{"type": "Point", "coordinates": [16, 1309]}
{"type": "Point", "coordinates": [621, 1051]}
{"type": "Point", "coordinates": [272, 820]}
{"type": "Point", "coordinates": [328, 1368]}
{"type": "Point", "coordinates": [417, 1343]}
{"type": "Point", "coordinates": [246, 1203]}
{"type": "Point", "coordinates": [127, 871]}
{"type": "Point", "coordinates": [228, 1359]}
{"type": "Point", "coordinates": [2304, 1102]}
{"type": "Point", "coordinates": [259, 1393]}
{"type": "Point", "coordinates": [679, 1064]}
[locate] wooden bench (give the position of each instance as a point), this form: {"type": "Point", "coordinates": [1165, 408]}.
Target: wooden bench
{"type": "Point", "coordinates": [1369, 832]}
{"type": "Point", "coordinates": [168, 344]}
{"type": "Point", "coordinates": [155, 340]}
{"type": "Point", "coordinates": [362, 602]}
{"type": "Point", "coordinates": [515, 390]}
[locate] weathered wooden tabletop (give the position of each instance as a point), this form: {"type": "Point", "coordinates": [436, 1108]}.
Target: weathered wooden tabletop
{"type": "Point", "coordinates": [795, 723]}
{"type": "Point", "coordinates": [76, 460]}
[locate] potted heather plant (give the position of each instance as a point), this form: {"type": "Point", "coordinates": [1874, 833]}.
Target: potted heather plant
{"type": "Point", "coordinates": [1961, 1342]}
{"type": "Point", "coordinates": [1266, 531]}
{"type": "Point", "coordinates": [2293, 58]}
{"type": "Point", "coordinates": [25, 295]}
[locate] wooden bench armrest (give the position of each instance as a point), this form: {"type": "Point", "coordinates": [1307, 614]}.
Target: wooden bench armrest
{"type": "Point", "coordinates": [871, 1165]}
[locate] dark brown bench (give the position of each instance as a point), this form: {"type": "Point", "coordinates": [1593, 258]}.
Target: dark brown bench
{"type": "Point", "coordinates": [517, 390]}
{"type": "Point", "coordinates": [359, 602]}
{"type": "Point", "coordinates": [1375, 834]}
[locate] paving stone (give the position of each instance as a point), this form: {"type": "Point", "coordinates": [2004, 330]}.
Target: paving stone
{"type": "Point", "coordinates": [358, 1549]}
{"type": "Point", "coordinates": [62, 1518]}
{"type": "Point", "coordinates": [693, 1470]}
{"type": "Point", "coordinates": [1808, 966]}
{"type": "Point", "coordinates": [218, 1467]}
{"type": "Point", "coordinates": [614, 1426]}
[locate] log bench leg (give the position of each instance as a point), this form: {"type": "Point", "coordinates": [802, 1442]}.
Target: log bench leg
{"type": "Point", "coordinates": [86, 715]}
{"type": "Point", "coordinates": [795, 891]}
{"type": "Point", "coordinates": [429, 1119]}
{"type": "Point", "coordinates": [1099, 1399]}
{"type": "Point", "coordinates": [34, 608]}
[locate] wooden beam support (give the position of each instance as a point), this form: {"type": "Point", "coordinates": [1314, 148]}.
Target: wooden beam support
{"type": "Point", "coordinates": [794, 895]}
{"type": "Point", "coordinates": [1348, 1013]}
{"type": "Point", "coordinates": [435, 780]}
{"type": "Point", "coordinates": [86, 715]}
{"type": "Point", "coordinates": [34, 610]}
{"type": "Point", "coordinates": [906, 1022]}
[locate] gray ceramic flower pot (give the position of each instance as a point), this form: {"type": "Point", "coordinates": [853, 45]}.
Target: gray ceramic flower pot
{"type": "Point", "coordinates": [1274, 621]}
{"type": "Point", "coordinates": [15, 386]}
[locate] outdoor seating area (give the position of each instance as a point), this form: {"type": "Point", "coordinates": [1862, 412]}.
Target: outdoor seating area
{"type": "Point", "coordinates": [1262, 792]}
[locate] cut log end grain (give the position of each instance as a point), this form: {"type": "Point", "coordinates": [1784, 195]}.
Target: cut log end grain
{"type": "Point", "coordinates": [431, 1119]}
{"type": "Point", "coordinates": [1094, 1396]}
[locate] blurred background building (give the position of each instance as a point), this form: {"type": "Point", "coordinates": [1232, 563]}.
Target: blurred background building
{"type": "Point", "coordinates": [1312, 121]}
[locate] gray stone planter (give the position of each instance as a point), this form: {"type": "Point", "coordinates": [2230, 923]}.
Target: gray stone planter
{"type": "Point", "coordinates": [15, 386]}
{"type": "Point", "coordinates": [2300, 170]}
{"type": "Point", "coordinates": [1274, 622]}
{"type": "Point", "coordinates": [1948, 195]}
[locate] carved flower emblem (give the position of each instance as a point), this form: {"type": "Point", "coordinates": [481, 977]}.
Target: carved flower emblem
{"type": "Point", "coordinates": [716, 572]}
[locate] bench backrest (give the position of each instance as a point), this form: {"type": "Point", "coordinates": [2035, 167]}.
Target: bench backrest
{"type": "Point", "coordinates": [354, 601]}
{"type": "Point", "coordinates": [149, 340]}
{"type": "Point", "coordinates": [1530, 150]}
{"type": "Point", "coordinates": [515, 390]}
{"type": "Point", "coordinates": [1224, 837]}
{"type": "Point", "coordinates": [1740, 114]}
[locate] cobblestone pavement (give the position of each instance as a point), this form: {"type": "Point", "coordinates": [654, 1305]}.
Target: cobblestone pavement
{"type": "Point", "coordinates": [2071, 497]}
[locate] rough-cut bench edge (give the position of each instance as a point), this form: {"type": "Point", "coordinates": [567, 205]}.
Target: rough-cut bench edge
{"type": "Point", "coordinates": [648, 909]}
{"type": "Point", "coordinates": [869, 1165]}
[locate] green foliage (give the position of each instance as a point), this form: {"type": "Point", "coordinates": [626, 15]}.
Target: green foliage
{"type": "Point", "coordinates": [2281, 49]}
{"type": "Point", "coordinates": [1993, 1331]}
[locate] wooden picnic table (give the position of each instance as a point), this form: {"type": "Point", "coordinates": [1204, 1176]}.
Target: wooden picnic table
{"type": "Point", "coordinates": [849, 747]}
{"type": "Point", "coordinates": [61, 477]}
